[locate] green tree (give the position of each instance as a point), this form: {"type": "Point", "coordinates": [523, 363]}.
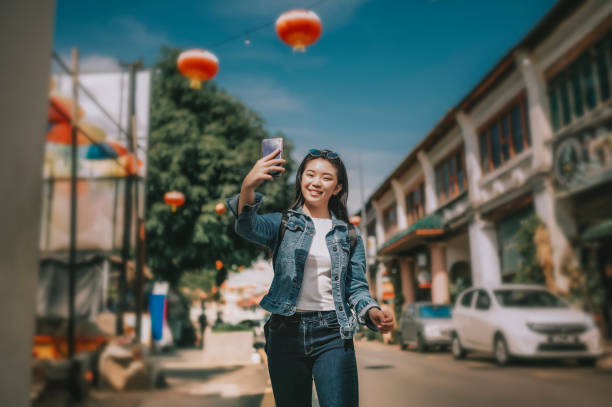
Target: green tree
{"type": "Point", "coordinates": [202, 143]}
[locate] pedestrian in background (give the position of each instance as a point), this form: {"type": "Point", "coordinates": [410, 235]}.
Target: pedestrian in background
{"type": "Point", "coordinates": [319, 292]}
{"type": "Point", "coordinates": [202, 320]}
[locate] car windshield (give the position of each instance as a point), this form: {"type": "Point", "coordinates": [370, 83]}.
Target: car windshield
{"type": "Point", "coordinates": [435, 311]}
{"type": "Point", "coordinates": [528, 299]}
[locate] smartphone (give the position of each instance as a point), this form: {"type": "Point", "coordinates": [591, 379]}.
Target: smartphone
{"type": "Point", "coordinates": [268, 146]}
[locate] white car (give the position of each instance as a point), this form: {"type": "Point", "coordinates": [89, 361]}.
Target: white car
{"type": "Point", "coordinates": [522, 321]}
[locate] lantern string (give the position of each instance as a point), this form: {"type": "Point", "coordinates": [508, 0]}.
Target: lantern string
{"type": "Point", "coordinates": [249, 31]}
{"type": "Point", "coordinates": [95, 101]}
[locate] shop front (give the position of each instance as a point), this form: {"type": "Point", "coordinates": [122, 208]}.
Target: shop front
{"type": "Point", "coordinates": [583, 173]}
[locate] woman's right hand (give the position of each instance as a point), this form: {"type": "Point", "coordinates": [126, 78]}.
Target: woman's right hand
{"type": "Point", "coordinates": [261, 170]}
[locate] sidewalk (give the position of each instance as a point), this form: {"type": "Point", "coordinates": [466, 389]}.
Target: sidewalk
{"type": "Point", "coordinates": [220, 350]}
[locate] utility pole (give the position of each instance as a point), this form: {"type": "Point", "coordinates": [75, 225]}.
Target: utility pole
{"type": "Point", "coordinates": [74, 369]}
{"type": "Point", "coordinates": [127, 198]}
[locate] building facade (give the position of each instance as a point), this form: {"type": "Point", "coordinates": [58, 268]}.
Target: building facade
{"type": "Point", "coordinates": [533, 137]}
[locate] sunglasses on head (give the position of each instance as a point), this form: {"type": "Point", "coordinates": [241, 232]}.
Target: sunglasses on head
{"type": "Point", "coordinates": [322, 153]}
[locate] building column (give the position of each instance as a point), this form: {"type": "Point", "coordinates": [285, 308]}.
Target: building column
{"type": "Point", "coordinates": [400, 199]}
{"type": "Point", "coordinates": [439, 275]}
{"type": "Point", "coordinates": [539, 125]}
{"type": "Point", "coordinates": [406, 265]}
{"type": "Point", "coordinates": [26, 37]}
{"type": "Point", "coordinates": [560, 223]}
{"type": "Point", "coordinates": [380, 229]}
{"type": "Point", "coordinates": [484, 253]}
{"type": "Point", "coordinates": [472, 160]}
{"type": "Point", "coordinates": [431, 199]}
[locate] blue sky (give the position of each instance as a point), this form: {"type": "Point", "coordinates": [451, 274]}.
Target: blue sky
{"type": "Point", "coordinates": [381, 75]}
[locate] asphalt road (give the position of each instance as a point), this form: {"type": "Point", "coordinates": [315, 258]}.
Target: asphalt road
{"type": "Point", "coordinates": [387, 377]}
{"type": "Point", "coordinates": [391, 377]}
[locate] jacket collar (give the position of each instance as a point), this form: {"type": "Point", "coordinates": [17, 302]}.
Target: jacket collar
{"type": "Point", "coordinates": [335, 221]}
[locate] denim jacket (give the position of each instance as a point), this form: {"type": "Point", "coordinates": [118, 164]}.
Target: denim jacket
{"type": "Point", "coordinates": [349, 285]}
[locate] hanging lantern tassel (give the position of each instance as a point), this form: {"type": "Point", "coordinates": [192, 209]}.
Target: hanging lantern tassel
{"type": "Point", "coordinates": [299, 28]}
{"type": "Point", "coordinates": [197, 65]}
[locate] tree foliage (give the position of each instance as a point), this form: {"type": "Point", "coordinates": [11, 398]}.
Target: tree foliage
{"type": "Point", "coordinates": [202, 143]}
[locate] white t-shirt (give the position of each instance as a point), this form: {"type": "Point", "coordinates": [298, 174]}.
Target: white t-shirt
{"type": "Point", "coordinates": [316, 291]}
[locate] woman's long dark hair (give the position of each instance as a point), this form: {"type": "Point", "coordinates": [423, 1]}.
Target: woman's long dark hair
{"type": "Point", "coordinates": [337, 203]}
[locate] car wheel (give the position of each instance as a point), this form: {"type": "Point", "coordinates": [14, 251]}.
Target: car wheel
{"type": "Point", "coordinates": [500, 349]}
{"type": "Point", "coordinates": [456, 348]}
{"type": "Point", "coordinates": [590, 362]}
{"type": "Point", "coordinates": [421, 346]}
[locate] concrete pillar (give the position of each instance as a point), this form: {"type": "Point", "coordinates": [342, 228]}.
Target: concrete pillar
{"type": "Point", "coordinates": [380, 228]}
{"type": "Point", "coordinates": [552, 215]}
{"type": "Point", "coordinates": [439, 275]}
{"type": "Point", "coordinates": [540, 127]}
{"type": "Point", "coordinates": [472, 155]}
{"type": "Point", "coordinates": [484, 253]}
{"type": "Point", "coordinates": [26, 33]}
{"type": "Point", "coordinates": [400, 198]}
{"type": "Point", "coordinates": [379, 278]}
{"type": "Point", "coordinates": [431, 199]}
{"type": "Point", "coordinates": [406, 265]}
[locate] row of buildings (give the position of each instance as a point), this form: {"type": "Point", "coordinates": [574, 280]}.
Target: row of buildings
{"type": "Point", "coordinates": [533, 137]}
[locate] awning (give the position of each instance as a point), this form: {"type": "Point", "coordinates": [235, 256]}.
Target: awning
{"type": "Point", "coordinates": [599, 231]}
{"type": "Point", "coordinates": [418, 232]}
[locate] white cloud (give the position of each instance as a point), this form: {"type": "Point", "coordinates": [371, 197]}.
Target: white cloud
{"type": "Point", "coordinates": [135, 33]}
{"type": "Point", "coordinates": [98, 63]}
{"type": "Point", "coordinates": [263, 95]}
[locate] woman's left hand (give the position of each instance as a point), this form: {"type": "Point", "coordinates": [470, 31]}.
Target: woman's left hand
{"type": "Point", "coordinates": [383, 320]}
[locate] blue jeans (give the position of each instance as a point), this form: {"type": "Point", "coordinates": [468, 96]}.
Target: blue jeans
{"type": "Point", "coordinates": [308, 345]}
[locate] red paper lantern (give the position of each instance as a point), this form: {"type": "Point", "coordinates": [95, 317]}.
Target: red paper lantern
{"type": "Point", "coordinates": [174, 199]}
{"type": "Point", "coordinates": [355, 220]}
{"type": "Point", "coordinates": [219, 264]}
{"type": "Point", "coordinates": [198, 65]}
{"type": "Point", "coordinates": [299, 28]}
{"type": "Point", "coordinates": [220, 208]}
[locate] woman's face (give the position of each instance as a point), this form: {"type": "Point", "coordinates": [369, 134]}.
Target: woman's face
{"type": "Point", "coordinates": [319, 182]}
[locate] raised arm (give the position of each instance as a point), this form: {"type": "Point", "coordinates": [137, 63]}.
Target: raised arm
{"type": "Point", "coordinates": [260, 229]}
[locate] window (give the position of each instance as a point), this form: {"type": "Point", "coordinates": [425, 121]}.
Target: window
{"type": "Point", "coordinates": [528, 299]}
{"type": "Point", "coordinates": [581, 86]}
{"type": "Point", "coordinates": [505, 136]}
{"type": "Point", "coordinates": [483, 302]}
{"type": "Point", "coordinates": [390, 218]}
{"type": "Point", "coordinates": [450, 176]}
{"type": "Point", "coordinates": [466, 300]}
{"type": "Point", "coordinates": [415, 203]}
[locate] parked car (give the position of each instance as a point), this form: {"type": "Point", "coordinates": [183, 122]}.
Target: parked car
{"type": "Point", "coordinates": [522, 321]}
{"type": "Point", "coordinates": [426, 325]}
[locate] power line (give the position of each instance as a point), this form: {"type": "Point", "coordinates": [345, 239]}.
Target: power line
{"type": "Point", "coordinates": [256, 28]}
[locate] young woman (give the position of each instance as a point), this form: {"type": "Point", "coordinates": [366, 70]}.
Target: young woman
{"type": "Point", "coordinates": [319, 282]}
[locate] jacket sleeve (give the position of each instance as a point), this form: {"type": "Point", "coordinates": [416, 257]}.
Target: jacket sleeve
{"type": "Point", "coordinates": [357, 288]}
{"type": "Point", "coordinates": [255, 227]}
